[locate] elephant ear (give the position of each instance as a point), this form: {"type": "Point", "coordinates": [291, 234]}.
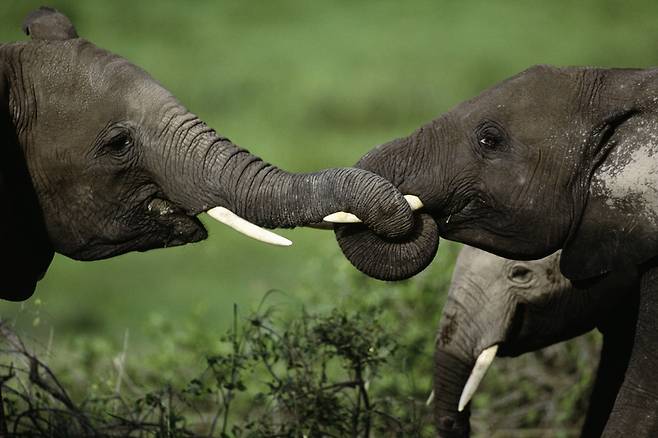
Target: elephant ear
{"type": "Point", "coordinates": [619, 223]}
{"type": "Point", "coordinates": [48, 24]}
{"type": "Point", "coordinates": [24, 244]}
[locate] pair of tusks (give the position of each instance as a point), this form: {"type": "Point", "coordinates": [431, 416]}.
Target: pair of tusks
{"type": "Point", "coordinates": [342, 217]}
{"type": "Point", "coordinates": [226, 216]}
{"type": "Point", "coordinates": [482, 364]}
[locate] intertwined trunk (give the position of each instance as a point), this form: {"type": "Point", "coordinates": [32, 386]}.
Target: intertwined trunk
{"type": "Point", "coordinates": [398, 258]}
{"type": "Point", "coordinates": [215, 172]}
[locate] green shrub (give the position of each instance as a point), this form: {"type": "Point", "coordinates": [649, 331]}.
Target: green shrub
{"type": "Point", "coordinates": [356, 363]}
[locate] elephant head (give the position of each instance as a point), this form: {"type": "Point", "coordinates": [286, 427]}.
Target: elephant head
{"type": "Point", "coordinates": [497, 306]}
{"type": "Point", "coordinates": [550, 158]}
{"type": "Point", "coordinates": [99, 159]}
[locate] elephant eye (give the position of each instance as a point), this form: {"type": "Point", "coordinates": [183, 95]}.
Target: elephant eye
{"type": "Point", "coordinates": [119, 143]}
{"type": "Point", "coordinates": [489, 136]}
{"type": "Point", "coordinates": [520, 274]}
{"type": "Point", "coordinates": [489, 141]}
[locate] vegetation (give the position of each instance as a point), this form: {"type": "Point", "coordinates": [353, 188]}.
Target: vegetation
{"type": "Point", "coordinates": [360, 365]}
{"type": "Point", "coordinates": [345, 372]}
{"type": "Point", "coordinates": [305, 85]}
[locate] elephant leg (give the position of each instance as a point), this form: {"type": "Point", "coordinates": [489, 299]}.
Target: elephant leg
{"type": "Point", "coordinates": [618, 335]}
{"type": "Point", "coordinates": [635, 412]}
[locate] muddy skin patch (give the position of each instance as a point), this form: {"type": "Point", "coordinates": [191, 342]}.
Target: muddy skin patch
{"type": "Point", "coordinates": [448, 329]}
{"type": "Point", "coordinates": [629, 179]}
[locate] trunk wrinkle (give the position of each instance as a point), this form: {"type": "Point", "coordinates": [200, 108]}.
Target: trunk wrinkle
{"type": "Point", "coordinates": [270, 197]}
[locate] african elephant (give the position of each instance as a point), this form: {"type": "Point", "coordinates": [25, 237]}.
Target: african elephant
{"type": "Point", "coordinates": [552, 158]}
{"type": "Point", "coordinates": [497, 306]}
{"type": "Point", "coordinates": [99, 159]}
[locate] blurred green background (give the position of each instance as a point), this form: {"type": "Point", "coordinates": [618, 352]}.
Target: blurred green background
{"type": "Point", "coordinates": [305, 85]}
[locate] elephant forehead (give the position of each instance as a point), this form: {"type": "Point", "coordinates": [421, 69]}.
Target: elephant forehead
{"type": "Point", "coordinates": [481, 272]}
{"type": "Point", "coordinates": [90, 72]}
{"type": "Point", "coordinates": [540, 91]}
{"type": "Point", "coordinates": [133, 93]}
{"type": "Point", "coordinates": [105, 87]}
{"type": "Point", "coordinates": [478, 265]}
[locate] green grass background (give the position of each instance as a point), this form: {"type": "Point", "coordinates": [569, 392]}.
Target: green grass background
{"type": "Point", "coordinates": [305, 85]}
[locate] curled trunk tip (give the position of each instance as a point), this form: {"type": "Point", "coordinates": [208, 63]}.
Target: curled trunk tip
{"type": "Point", "coordinates": [390, 259]}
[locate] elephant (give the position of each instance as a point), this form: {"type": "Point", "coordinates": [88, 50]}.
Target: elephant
{"type": "Point", "coordinates": [551, 158]}
{"type": "Point", "coordinates": [496, 306]}
{"type": "Point", "coordinates": [99, 159]}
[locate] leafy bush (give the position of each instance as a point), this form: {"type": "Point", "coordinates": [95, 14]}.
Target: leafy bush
{"type": "Point", "coordinates": [312, 377]}
{"type": "Point", "coordinates": [359, 364]}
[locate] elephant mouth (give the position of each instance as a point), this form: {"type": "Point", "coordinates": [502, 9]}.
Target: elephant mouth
{"type": "Point", "coordinates": [460, 214]}
{"type": "Point", "coordinates": [175, 225]}
{"type": "Point", "coordinates": [513, 343]}
{"type": "Point", "coordinates": [164, 207]}
{"type": "Point", "coordinates": [159, 224]}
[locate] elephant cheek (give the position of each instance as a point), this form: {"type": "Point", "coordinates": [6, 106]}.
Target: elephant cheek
{"type": "Point", "coordinates": [390, 260]}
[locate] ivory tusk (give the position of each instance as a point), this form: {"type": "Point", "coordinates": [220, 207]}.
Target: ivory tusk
{"type": "Point", "coordinates": [341, 217]}
{"type": "Point", "coordinates": [414, 202]}
{"type": "Point", "coordinates": [430, 399]}
{"type": "Point", "coordinates": [482, 364]}
{"type": "Point", "coordinates": [226, 216]}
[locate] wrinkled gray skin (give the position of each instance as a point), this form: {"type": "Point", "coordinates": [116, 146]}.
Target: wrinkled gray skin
{"type": "Point", "coordinates": [550, 158]}
{"type": "Point", "coordinates": [99, 159]}
{"type": "Point", "coordinates": [523, 306]}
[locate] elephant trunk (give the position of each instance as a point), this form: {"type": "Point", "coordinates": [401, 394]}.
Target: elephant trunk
{"type": "Point", "coordinates": [227, 176]}
{"type": "Point", "coordinates": [451, 373]}
{"type": "Point", "coordinates": [380, 256]}
{"type": "Point", "coordinates": [466, 345]}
